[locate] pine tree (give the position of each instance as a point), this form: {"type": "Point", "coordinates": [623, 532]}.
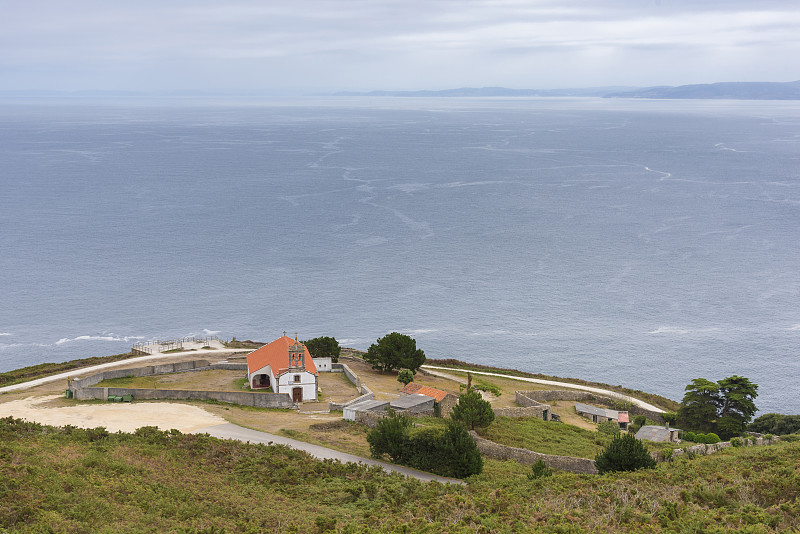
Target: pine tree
{"type": "Point", "coordinates": [624, 453]}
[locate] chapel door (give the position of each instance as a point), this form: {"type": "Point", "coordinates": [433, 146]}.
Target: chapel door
{"type": "Point", "coordinates": [297, 395]}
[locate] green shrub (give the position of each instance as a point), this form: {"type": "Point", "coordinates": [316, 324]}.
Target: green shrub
{"type": "Point", "coordinates": [711, 438]}
{"type": "Point", "coordinates": [690, 436]}
{"type": "Point", "coordinates": [405, 376]}
{"type": "Point", "coordinates": [610, 428]}
{"type": "Point", "coordinates": [736, 442]}
{"type": "Point", "coordinates": [775, 423]}
{"type": "Point", "coordinates": [625, 453]}
{"type": "Point", "coordinates": [472, 410]}
{"type": "Point", "coordinates": [390, 436]}
{"type": "Point", "coordinates": [483, 385]}
{"type": "Point", "coordinates": [666, 454]}
{"type": "Point", "coordinates": [639, 420]}
{"type": "Point", "coordinates": [449, 451]}
{"type": "Point", "coordinates": [539, 470]}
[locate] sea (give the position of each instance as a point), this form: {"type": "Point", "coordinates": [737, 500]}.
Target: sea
{"type": "Point", "coordinates": [643, 243]}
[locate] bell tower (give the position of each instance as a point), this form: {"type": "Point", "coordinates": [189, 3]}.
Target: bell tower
{"type": "Point", "coordinates": [297, 355]}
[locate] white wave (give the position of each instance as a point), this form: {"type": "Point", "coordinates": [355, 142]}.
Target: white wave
{"type": "Point", "coordinates": [417, 332]}
{"type": "Point", "coordinates": [795, 327]}
{"type": "Point", "coordinates": [669, 330]}
{"type": "Point", "coordinates": [682, 331]}
{"type": "Point", "coordinates": [110, 337]}
{"type": "Point", "coordinates": [208, 332]}
{"type": "Point", "coordinates": [5, 334]}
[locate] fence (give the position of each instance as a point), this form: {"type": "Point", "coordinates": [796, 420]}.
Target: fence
{"type": "Point", "coordinates": [154, 345]}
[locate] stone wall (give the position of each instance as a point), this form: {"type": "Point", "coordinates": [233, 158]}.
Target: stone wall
{"type": "Point", "coordinates": [491, 449]}
{"type": "Point", "coordinates": [180, 367]}
{"type": "Point", "coordinates": [230, 366]}
{"type": "Point", "coordinates": [446, 404]}
{"type": "Point", "coordinates": [82, 388]}
{"type": "Point", "coordinates": [703, 448]}
{"type": "Point", "coordinates": [528, 411]}
{"type": "Point", "coordinates": [534, 408]}
{"type": "Point", "coordinates": [549, 395]}
{"type": "Point", "coordinates": [258, 400]}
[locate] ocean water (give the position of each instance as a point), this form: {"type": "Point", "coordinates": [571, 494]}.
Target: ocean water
{"type": "Point", "coordinates": [642, 243]}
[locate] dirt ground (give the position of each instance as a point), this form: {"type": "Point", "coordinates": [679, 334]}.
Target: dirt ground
{"type": "Point", "coordinates": [125, 417]}
{"type": "Point", "coordinates": [46, 404]}
{"type": "Point", "coordinates": [385, 385]}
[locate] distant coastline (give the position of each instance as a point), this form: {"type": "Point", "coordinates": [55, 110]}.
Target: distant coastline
{"type": "Point", "coordinates": [720, 91]}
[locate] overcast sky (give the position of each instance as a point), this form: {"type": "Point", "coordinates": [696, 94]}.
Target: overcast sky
{"type": "Point", "coordinates": [302, 46]}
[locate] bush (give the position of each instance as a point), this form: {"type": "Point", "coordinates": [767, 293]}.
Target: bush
{"type": "Point", "coordinates": [775, 423]}
{"type": "Point", "coordinates": [390, 436]}
{"type": "Point", "coordinates": [610, 428]}
{"type": "Point", "coordinates": [639, 420]}
{"type": "Point", "coordinates": [405, 376]}
{"type": "Point", "coordinates": [625, 453]}
{"type": "Point", "coordinates": [449, 451]}
{"type": "Point", "coordinates": [539, 470]}
{"type": "Point", "coordinates": [711, 438]}
{"type": "Point", "coordinates": [690, 436]}
{"type": "Point", "coordinates": [736, 442]}
{"type": "Point", "coordinates": [472, 410]}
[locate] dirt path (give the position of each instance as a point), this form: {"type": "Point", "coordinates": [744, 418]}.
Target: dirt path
{"type": "Point", "coordinates": [94, 368]}
{"type": "Point", "coordinates": [608, 393]}
{"type": "Point", "coordinates": [229, 431]}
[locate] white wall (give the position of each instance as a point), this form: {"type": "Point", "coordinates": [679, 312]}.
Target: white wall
{"type": "Point", "coordinates": [267, 370]}
{"type": "Point", "coordinates": [324, 365]}
{"type": "Point", "coordinates": [308, 382]}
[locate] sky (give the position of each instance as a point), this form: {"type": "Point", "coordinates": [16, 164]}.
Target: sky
{"type": "Point", "coordinates": [312, 46]}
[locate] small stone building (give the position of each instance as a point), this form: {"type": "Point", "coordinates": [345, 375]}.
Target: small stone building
{"type": "Point", "coordinates": [658, 433]}
{"type": "Point", "coordinates": [599, 415]}
{"type": "Point", "coordinates": [445, 400]}
{"type": "Point", "coordinates": [413, 404]}
{"type": "Point", "coordinates": [375, 406]}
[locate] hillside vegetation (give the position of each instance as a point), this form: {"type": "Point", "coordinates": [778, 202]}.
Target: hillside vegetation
{"type": "Point", "coordinates": [73, 480]}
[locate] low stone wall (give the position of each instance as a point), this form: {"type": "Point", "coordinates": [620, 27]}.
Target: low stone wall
{"type": "Point", "coordinates": [491, 449]}
{"type": "Point", "coordinates": [169, 368]}
{"type": "Point", "coordinates": [258, 400]}
{"type": "Point", "coordinates": [703, 448]}
{"type": "Point", "coordinates": [366, 396]}
{"type": "Point", "coordinates": [229, 366]}
{"type": "Point", "coordinates": [82, 388]}
{"type": "Point", "coordinates": [534, 408]}
{"type": "Point", "coordinates": [528, 411]}
{"type": "Point", "coordinates": [351, 376]}
{"type": "Point", "coordinates": [549, 395]}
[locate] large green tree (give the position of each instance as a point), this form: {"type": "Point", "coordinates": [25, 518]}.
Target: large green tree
{"type": "Point", "coordinates": [395, 351]}
{"type": "Point", "coordinates": [324, 347]}
{"type": "Point", "coordinates": [724, 407]}
{"type": "Point", "coordinates": [737, 408]}
{"type": "Point", "coordinates": [699, 407]}
{"type": "Point", "coordinates": [472, 410]}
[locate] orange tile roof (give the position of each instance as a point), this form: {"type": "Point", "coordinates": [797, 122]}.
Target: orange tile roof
{"type": "Point", "coordinates": [413, 387]}
{"type": "Point", "coordinates": [276, 355]}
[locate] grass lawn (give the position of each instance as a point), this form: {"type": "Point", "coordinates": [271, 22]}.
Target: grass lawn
{"type": "Point", "coordinates": [547, 437]}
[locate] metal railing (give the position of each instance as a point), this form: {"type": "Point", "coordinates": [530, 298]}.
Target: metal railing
{"type": "Point", "coordinates": [155, 345]}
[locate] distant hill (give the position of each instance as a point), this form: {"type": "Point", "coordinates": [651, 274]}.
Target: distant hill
{"type": "Point", "coordinates": [496, 91]}
{"type": "Point", "coordinates": [722, 90]}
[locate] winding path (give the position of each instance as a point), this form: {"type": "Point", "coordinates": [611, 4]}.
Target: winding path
{"type": "Point", "coordinates": [231, 431]}
{"type": "Point", "coordinates": [84, 370]}
{"type": "Point", "coordinates": [609, 393]}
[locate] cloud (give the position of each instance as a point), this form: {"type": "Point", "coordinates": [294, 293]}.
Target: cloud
{"type": "Point", "coordinates": [248, 44]}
